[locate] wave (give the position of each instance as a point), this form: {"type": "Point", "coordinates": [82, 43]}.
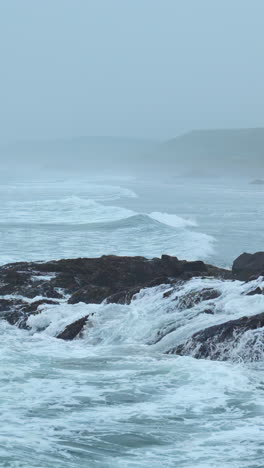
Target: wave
{"type": "Point", "coordinates": [172, 220]}
{"type": "Point", "coordinates": [67, 210]}
{"type": "Point", "coordinates": [132, 234]}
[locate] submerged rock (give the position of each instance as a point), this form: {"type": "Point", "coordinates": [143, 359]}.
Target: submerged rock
{"type": "Point", "coordinates": [218, 342]}
{"type": "Point", "coordinates": [257, 182]}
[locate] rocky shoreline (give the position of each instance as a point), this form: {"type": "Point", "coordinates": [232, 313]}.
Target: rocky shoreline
{"type": "Point", "coordinates": [27, 287]}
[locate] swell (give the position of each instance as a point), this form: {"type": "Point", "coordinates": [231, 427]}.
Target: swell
{"type": "Point", "coordinates": [135, 220]}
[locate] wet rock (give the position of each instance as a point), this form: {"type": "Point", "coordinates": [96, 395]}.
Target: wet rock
{"type": "Point", "coordinates": [193, 298]}
{"type": "Point", "coordinates": [33, 307]}
{"type": "Point", "coordinates": [126, 296]}
{"type": "Point", "coordinates": [122, 297]}
{"type": "Point", "coordinates": [113, 272]}
{"type": "Point", "coordinates": [248, 265]}
{"type": "Point", "coordinates": [11, 310]}
{"type": "Point", "coordinates": [197, 266]}
{"type": "Point", "coordinates": [74, 329]}
{"type": "Point", "coordinates": [208, 311]}
{"type": "Point", "coordinates": [90, 294]}
{"type": "Point", "coordinates": [91, 280]}
{"type": "Point", "coordinates": [17, 311]}
{"type": "Point", "coordinates": [217, 342]}
{"type": "Point", "coordinates": [168, 293]}
{"type": "Point", "coordinates": [258, 290]}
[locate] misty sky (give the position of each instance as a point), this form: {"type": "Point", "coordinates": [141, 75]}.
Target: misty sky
{"type": "Point", "coordinates": [147, 68]}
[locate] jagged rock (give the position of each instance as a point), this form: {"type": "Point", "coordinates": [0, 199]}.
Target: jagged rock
{"type": "Point", "coordinates": [11, 310]}
{"type": "Point", "coordinates": [248, 266]}
{"type": "Point", "coordinates": [217, 341]}
{"type": "Point", "coordinates": [17, 311]}
{"type": "Point", "coordinates": [258, 290]}
{"type": "Point", "coordinates": [193, 298]}
{"type": "Point", "coordinates": [122, 297]}
{"type": "Point", "coordinates": [74, 329]}
{"type": "Point", "coordinates": [168, 293]}
{"type": "Point", "coordinates": [90, 294]}
{"type": "Point", "coordinates": [89, 280]}
{"type": "Point", "coordinates": [126, 296]}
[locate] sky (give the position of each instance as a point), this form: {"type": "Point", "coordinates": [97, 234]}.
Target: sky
{"type": "Point", "coordinates": [143, 68]}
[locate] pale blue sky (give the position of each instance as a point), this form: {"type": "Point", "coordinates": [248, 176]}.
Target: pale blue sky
{"type": "Point", "coordinates": [148, 68]}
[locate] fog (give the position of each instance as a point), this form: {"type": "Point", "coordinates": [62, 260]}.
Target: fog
{"type": "Point", "coordinates": [134, 75]}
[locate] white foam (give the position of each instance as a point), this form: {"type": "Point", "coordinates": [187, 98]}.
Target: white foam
{"type": "Point", "coordinates": [172, 220]}
{"type": "Point", "coordinates": [144, 408]}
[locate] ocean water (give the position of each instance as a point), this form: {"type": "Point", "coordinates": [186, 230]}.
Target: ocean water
{"type": "Point", "coordinates": [114, 398]}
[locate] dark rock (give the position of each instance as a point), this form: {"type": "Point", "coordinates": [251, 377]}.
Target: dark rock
{"type": "Point", "coordinates": [258, 290]}
{"type": "Point", "coordinates": [16, 311]}
{"type": "Point", "coordinates": [122, 297]}
{"type": "Point", "coordinates": [168, 293]}
{"type": "Point", "coordinates": [74, 329]}
{"type": "Point", "coordinates": [115, 273]}
{"type": "Point", "coordinates": [33, 307]}
{"type": "Point", "coordinates": [126, 296]}
{"type": "Point", "coordinates": [217, 341]}
{"type": "Point", "coordinates": [10, 310]}
{"type": "Point", "coordinates": [197, 266]}
{"type": "Point", "coordinates": [208, 311]}
{"type": "Point", "coordinates": [248, 265]}
{"type": "Point", "coordinates": [91, 280]}
{"type": "Point", "coordinates": [193, 298]}
{"type": "Point", "coordinates": [90, 294]}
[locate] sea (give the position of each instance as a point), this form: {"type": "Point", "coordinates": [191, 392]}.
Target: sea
{"type": "Point", "coordinates": [114, 399]}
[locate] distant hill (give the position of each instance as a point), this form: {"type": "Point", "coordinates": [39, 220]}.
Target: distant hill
{"type": "Point", "coordinates": [82, 153]}
{"type": "Point", "coordinates": [198, 153]}
{"type": "Point", "coordinates": [216, 152]}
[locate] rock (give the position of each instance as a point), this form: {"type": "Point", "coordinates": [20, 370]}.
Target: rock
{"type": "Point", "coordinates": [11, 310]}
{"type": "Point", "coordinates": [168, 293]}
{"type": "Point", "coordinates": [257, 182]}
{"type": "Point", "coordinates": [90, 294]}
{"type": "Point", "coordinates": [122, 297]}
{"type": "Point", "coordinates": [74, 329]}
{"type": "Point", "coordinates": [193, 298]}
{"type": "Point", "coordinates": [126, 296]}
{"type": "Point", "coordinates": [197, 266]}
{"type": "Point", "coordinates": [90, 280]}
{"type": "Point", "coordinates": [217, 342]}
{"type": "Point", "coordinates": [17, 311]}
{"type": "Point", "coordinates": [258, 290]}
{"type": "Point", "coordinates": [33, 307]}
{"type": "Point", "coordinates": [208, 311]}
{"type": "Point", "coordinates": [248, 265]}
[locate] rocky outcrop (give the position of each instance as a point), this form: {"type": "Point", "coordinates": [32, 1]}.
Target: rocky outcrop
{"type": "Point", "coordinates": [248, 266]}
{"type": "Point", "coordinates": [74, 329]}
{"type": "Point", "coordinates": [25, 288]}
{"type": "Point", "coordinates": [89, 280]}
{"type": "Point", "coordinates": [193, 298]}
{"type": "Point", "coordinates": [218, 342]}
